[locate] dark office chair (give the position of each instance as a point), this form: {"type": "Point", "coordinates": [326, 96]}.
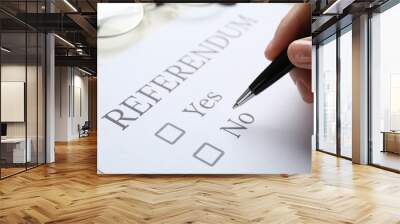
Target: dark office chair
{"type": "Point", "coordinates": [84, 130]}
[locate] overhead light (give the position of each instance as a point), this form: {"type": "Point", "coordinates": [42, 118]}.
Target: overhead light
{"type": "Point", "coordinates": [332, 8]}
{"type": "Point", "coordinates": [64, 40]}
{"type": "Point", "coordinates": [5, 50]}
{"type": "Point", "coordinates": [70, 5]}
{"type": "Point", "coordinates": [80, 51]}
{"type": "Point", "coordinates": [84, 71]}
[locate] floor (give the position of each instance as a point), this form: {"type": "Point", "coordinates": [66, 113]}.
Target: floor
{"type": "Point", "coordinates": [70, 191]}
{"type": "Point", "coordinates": [10, 171]}
{"type": "Point", "coordinates": [387, 159]}
{"type": "Point", "coordinates": [5, 172]}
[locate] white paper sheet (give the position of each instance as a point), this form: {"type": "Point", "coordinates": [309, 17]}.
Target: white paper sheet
{"type": "Point", "coordinates": [276, 126]}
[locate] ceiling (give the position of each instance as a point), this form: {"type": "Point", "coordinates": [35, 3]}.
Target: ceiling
{"type": "Point", "coordinates": [74, 22]}
{"type": "Point", "coordinates": [326, 22]}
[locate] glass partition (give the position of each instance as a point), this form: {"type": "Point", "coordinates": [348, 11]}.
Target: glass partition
{"type": "Point", "coordinates": [31, 99]}
{"type": "Point", "coordinates": [13, 110]}
{"type": "Point", "coordinates": [22, 77]}
{"type": "Point", "coordinates": [41, 97]}
{"type": "Point", "coordinates": [327, 96]}
{"type": "Point", "coordinates": [346, 93]}
{"type": "Point", "coordinates": [385, 89]}
{"type": "Point", "coordinates": [32, 85]}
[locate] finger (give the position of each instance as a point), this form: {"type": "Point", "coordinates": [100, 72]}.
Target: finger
{"type": "Point", "coordinates": [302, 79]}
{"type": "Point", "coordinates": [299, 53]}
{"type": "Point", "coordinates": [294, 25]}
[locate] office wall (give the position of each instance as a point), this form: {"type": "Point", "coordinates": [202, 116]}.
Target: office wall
{"type": "Point", "coordinates": [80, 102]}
{"type": "Point", "coordinates": [12, 98]}
{"type": "Point", "coordinates": [71, 102]}
{"type": "Point", "coordinates": [32, 127]}
{"type": "Point", "coordinates": [61, 103]}
{"type": "Point", "coordinates": [12, 73]}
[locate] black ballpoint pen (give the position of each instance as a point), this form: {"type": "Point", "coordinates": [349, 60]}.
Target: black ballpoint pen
{"type": "Point", "coordinates": [276, 70]}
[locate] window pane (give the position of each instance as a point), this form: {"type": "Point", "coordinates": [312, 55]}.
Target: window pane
{"type": "Point", "coordinates": [346, 94]}
{"type": "Point", "coordinates": [31, 88]}
{"type": "Point", "coordinates": [13, 86]}
{"type": "Point", "coordinates": [327, 97]}
{"type": "Point", "coordinates": [22, 102]}
{"type": "Point", "coordinates": [41, 98]}
{"type": "Point", "coordinates": [385, 95]}
{"type": "Point", "coordinates": [31, 98]}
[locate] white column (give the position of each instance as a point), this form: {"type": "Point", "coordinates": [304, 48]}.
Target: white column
{"type": "Point", "coordinates": [360, 90]}
{"type": "Point", "coordinates": [62, 103]}
{"type": "Point", "coordinates": [50, 99]}
{"type": "Point", "coordinates": [50, 92]}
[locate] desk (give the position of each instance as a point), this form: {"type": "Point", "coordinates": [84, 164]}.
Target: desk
{"type": "Point", "coordinates": [391, 141]}
{"type": "Point", "coordinates": [13, 150]}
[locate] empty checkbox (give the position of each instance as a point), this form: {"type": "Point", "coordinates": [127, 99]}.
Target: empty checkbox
{"type": "Point", "coordinates": [170, 133]}
{"type": "Point", "coordinates": [208, 154]}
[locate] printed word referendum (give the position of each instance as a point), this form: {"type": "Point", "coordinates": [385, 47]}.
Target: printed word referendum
{"type": "Point", "coordinates": [133, 107]}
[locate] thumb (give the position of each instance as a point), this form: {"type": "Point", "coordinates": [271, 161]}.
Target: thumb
{"type": "Point", "coordinates": [299, 53]}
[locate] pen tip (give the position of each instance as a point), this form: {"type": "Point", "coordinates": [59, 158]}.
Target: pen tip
{"type": "Point", "coordinates": [235, 106]}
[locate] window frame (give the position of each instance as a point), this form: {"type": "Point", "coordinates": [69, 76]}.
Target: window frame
{"type": "Point", "coordinates": [378, 10]}
{"type": "Point", "coordinates": [333, 37]}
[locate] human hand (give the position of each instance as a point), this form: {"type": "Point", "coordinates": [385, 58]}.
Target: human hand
{"type": "Point", "coordinates": [296, 23]}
